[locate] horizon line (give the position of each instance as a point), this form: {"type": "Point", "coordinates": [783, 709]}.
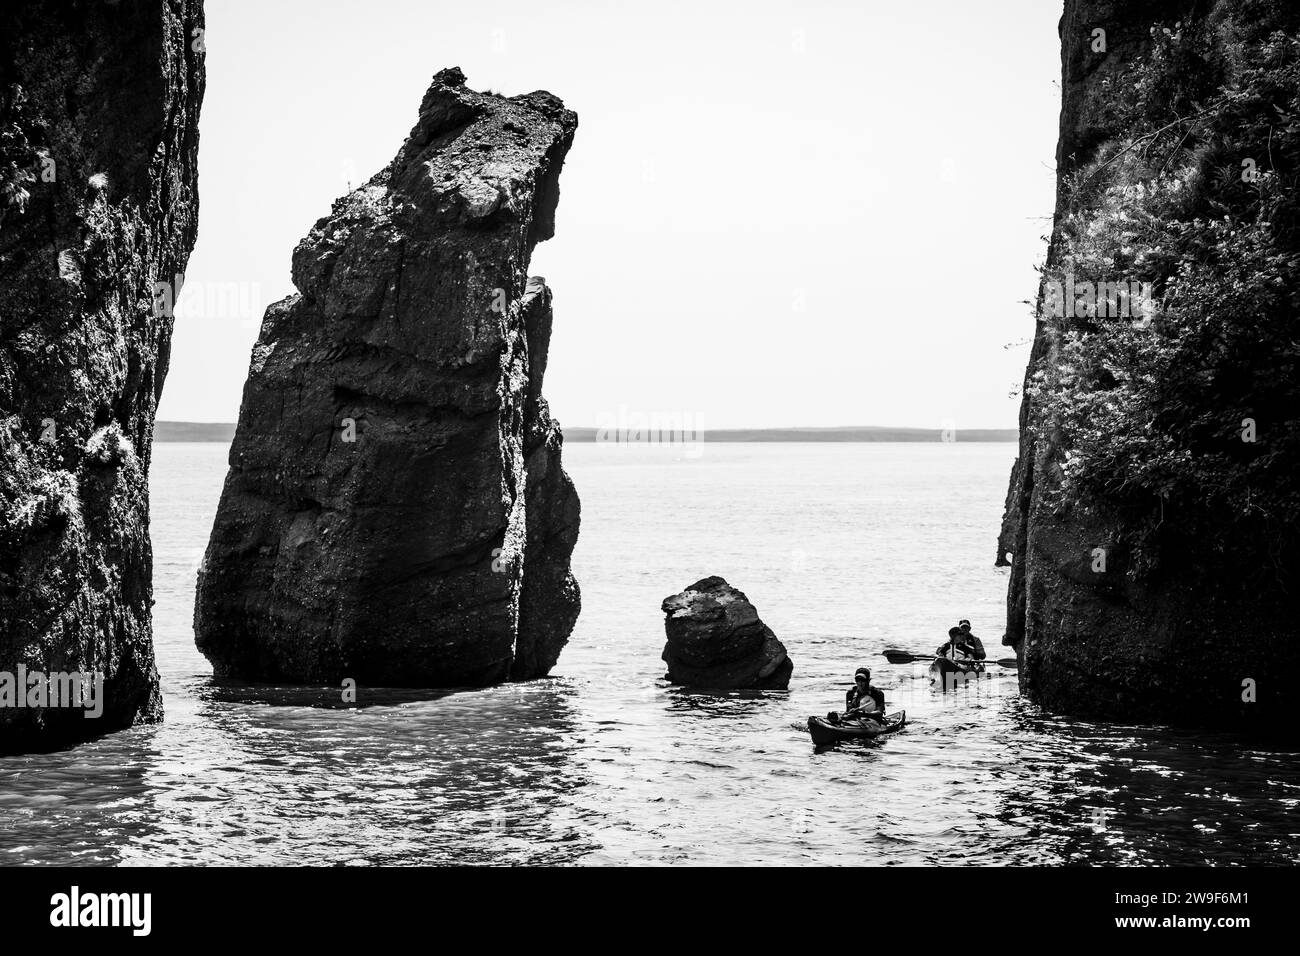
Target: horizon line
{"type": "Point", "coordinates": [172, 431]}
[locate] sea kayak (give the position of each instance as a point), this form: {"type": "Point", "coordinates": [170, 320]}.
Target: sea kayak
{"type": "Point", "coordinates": [949, 674]}
{"type": "Point", "coordinates": [824, 732]}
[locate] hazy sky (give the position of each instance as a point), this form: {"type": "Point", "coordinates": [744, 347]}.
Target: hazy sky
{"type": "Point", "coordinates": [774, 213]}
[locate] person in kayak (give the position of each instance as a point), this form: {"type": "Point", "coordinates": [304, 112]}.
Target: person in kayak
{"type": "Point", "coordinates": [961, 644]}
{"type": "Point", "coordinates": [862, 701]}
{"type": "Point", "coordinates": [972, 639]}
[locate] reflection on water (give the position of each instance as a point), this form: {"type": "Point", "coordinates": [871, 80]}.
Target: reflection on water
{"type": "Point", "coordinates": [240, 692]}
{"type": "Point", "coordinates": [606, 763]}
{"type": "Point", "coordinates": [1173, 797]}
{"type": "Point", "coordinates": [466, 778]}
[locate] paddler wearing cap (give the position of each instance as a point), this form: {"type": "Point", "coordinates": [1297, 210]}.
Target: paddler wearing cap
{"type": "Point", "coordinates": [863, 701]}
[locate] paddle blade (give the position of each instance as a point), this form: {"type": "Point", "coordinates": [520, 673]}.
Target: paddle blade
{"type": "Point", "coordinates": [1008, 662]}
{"type": "Point", "coordinates": [899, 657]}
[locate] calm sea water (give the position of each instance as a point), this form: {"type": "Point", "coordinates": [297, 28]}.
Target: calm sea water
{"type": "Point", "coordinates": [845, 550]}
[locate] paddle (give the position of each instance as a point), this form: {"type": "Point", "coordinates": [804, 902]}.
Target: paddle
{"type": "Point", "coordinates": [903, 657]}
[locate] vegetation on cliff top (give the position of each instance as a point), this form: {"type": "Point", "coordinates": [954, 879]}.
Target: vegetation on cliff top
{"type": "Point", "coordinates": [1187, 418]}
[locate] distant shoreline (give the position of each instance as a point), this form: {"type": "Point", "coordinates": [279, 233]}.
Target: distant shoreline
{"type": "Point", "coordinates": [225, 432]}
{"type": "Point", "coordinates": [839, 433]}
{"type": "Point", "coordinates": [193, 431]}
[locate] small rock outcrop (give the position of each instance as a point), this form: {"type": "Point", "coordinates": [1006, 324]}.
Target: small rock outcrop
{"type": "Point", "coordinates": [715, 639]}
{"type": "Point", "coordinates": [396, 511]}
{"type": "Point", "coordinates": [99, 109]}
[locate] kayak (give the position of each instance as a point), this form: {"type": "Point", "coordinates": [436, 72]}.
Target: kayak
{"type": "Point", "coordinates": [948, 673]}
{"type": "Point", "coordinates": [824, 732]}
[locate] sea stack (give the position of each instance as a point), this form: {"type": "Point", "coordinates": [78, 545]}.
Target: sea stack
{"type": "Point", "coordinates": [1151, 523]}
{"type": "Point", "coordinates": [396, 511]}
{"type": "Point", "coordinates": [716, 640]}
{"type": "Point", "coordinates": [99, 110]}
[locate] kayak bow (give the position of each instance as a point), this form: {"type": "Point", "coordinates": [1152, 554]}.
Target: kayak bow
{"type": "Point", "coordinates": [824, 732]}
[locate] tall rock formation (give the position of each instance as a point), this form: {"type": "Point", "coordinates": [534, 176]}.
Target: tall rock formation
{"type": "Point", "coordinates": [99, 108]}
{"type": "Point", "coordinates": [1164, 593]}
{"type": "Point", "coordinates": [396, 511]}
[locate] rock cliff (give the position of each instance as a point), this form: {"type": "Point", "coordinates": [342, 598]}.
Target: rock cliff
{"type": "Point", "coordinates": [1152, 543]}
{"type": "Point", "coordinates": [396, 511]}
{"type": "Point", "coordinates": [99, 108]}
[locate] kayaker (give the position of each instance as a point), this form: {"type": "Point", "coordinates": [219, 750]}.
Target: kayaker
{"type": "Point", "coordinates": [862, 700]}
{"type": "Point", "coordinates": [961, 644]}
{"type": "Point", "coordinates": [972, 639]}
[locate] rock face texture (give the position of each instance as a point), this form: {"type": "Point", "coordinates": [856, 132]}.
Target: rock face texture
{"type": "Point", "coordinates": [715, 639]}
{"type": "Point", "coordinates": [99, 108]}
{"type": "Point", "coordinates": [396, 511]}
{"type": "Point", "coordinates": [1209, 637]}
